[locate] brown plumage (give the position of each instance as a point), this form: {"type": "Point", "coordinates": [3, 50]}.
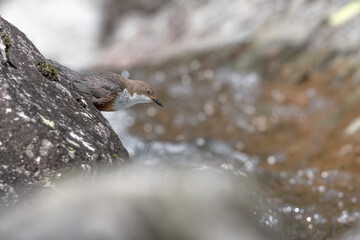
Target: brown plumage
{"type": "Point", "coordinates": [107, 89]}
{"type": "Point", "coordinates": [103, 87]}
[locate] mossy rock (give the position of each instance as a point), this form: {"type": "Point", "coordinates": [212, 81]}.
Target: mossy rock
{"type": "Point", "coordinates": [48, 70]}
{"type": "Point", "coordinates": [6, 40]}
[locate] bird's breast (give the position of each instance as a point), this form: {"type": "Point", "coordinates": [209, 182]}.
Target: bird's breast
{"type": "Point", "coordinates": [124, 100]}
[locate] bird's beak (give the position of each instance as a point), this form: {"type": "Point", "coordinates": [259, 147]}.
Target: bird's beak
{"type": "Point", "coordinates": [157, 102]}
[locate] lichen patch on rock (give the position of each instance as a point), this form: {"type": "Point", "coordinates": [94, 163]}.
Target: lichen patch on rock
{"type": "Point", "coordinates": [47, 70]}
{"type": "Point", "coordinates": [6, 40]}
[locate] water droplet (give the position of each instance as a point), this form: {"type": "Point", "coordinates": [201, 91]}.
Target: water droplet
{"type": "Point", "coordinates": [277, 96]}
{"type": "Point", "coordinates": [321, 189]}
{"type": "Point", "coordinates": [151, 111]}
{"type": "Point", "coordinates": [200, 142]}
{"type": "Point", "coordinates": [159, 130]}
{"type": "Point", "coordinates": [249, 109]}
{"type": "Point", "coordinates": [209, 108]}
{"type": "Point", "coordinates": [195, 65]}
{"type": "Point", "coordinates": [186, 80]}
{"type": "Point", "coordinates": [209, 74]}
{"type": "Point", "coordinates": [147, 127]}
{"type": "Point", "coordinates": [287, 209]}
{"type": "Point", "coordinates": [271, 160]}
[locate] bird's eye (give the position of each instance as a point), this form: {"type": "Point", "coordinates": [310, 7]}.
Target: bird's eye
{"type": "Point", "coordinates": [148, 91]}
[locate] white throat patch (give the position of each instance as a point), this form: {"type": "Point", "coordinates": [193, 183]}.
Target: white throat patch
{"type": "Point", "coordinates": [124, 100]}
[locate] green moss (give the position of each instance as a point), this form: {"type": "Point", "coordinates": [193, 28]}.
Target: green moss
{"type": "Point", "coordinates": [47, 70]}
{"type": "Point", "coordinates": [6, 40]}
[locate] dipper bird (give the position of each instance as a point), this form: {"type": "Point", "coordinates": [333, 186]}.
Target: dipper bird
{"type": "Point", "coordinates": [109, 91]}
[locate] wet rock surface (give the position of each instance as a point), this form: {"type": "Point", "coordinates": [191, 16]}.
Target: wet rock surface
{"type": "Point", "coordinates": [47, 128]}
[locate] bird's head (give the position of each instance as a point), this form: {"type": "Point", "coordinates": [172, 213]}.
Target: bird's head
{"type": "Point", "coordinates": [145, 89]}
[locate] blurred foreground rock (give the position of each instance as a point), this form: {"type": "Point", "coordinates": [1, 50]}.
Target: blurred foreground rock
{"type": "Point", "coordinates": [47, 128]}
{"type": "Point", "coordinates": [152, 204]}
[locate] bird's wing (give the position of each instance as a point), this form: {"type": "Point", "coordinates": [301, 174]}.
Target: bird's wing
{"type": "Point", "coordinates": [98, 89]}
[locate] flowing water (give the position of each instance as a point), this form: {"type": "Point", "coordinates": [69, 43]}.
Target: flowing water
{"type": "Point", "coordinates": [235, 121]}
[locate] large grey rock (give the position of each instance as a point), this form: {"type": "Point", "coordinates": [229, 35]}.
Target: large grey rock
{"type": "Point", "coordinates": [216, 28]}
{"type": "Point", "coordinates": [114, 10]}
{"type": "Point", "coordinates": [46, 126]}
